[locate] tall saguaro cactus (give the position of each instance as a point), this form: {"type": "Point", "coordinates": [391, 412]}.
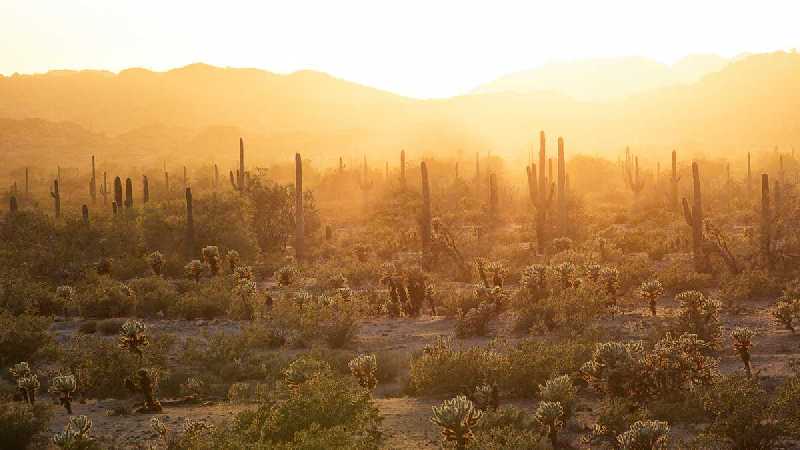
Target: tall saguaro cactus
{"type": "Point", "coordinates": [562, 190]}
{"type": "Point", "coordinates": [766, 222]}
{"type": "Point", "coordinates": [145, 189]}
{"type": "Point", "coordinates": [118, 191]}
{"type": "Point", "coordinates": [239, 182]}
{"type": "Point", "coordinates": [56, 194]}
{"type": "Point", "coordinates": [493, 196]}
{"type": "Point", "coordinates": [541, 197]}
{"type": "Point", "coordinates": [128, 193]}
{"type": "Point", "coordinates": [635, 184]}
{"type": "Point", "coordinates": [12, 206]}
{"type": "Point", "coordinates": [673, 183]}
{"type": "Point", "coordinates": [425, 217]}
{"type": "Point", "coordinates": [85, 213]}
{"type": "Point", "coordinates": [93, 184]}
{"type": "Point", "coordinates": [299, 218]}
{"type": "Point", "coordinates": [189, 224]}
{"type": "Point", "coordinates": [402, 168]}
{"type": "Point", "coordinates": [104, 188]}
{"type": "Point", "coordinates": [694, 218]}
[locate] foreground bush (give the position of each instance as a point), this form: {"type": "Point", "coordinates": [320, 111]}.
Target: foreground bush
{"type": "Point", "coordinates": [20, 423]}
{"type": "Point", "coordinates": [24, 338]}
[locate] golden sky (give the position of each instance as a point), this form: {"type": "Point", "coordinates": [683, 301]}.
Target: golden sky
{"type": "Point", "coordinates": [418, 48]}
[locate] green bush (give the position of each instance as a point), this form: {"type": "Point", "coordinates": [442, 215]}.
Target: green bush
{"type": "Point", "coordinates": [207, 300]}
{"type": "Point", "coordinates": [746, 286]}
{"type": "Point", "coordinates": [154, 295]}
{"type": "Point", "coordinates": [24, 338]}
{"type": "Point", "coordinates": [21, 422]}
{"type": "Point", "coordinates": [104, 297]}
{"type": "Point", "coordinates": [20, 294]}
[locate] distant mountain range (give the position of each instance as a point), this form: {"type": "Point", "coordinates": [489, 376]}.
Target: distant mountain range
{"type": "Point", "coordinates": [606, 79]}
{"type": "Point", "coordinates": [196, 113]}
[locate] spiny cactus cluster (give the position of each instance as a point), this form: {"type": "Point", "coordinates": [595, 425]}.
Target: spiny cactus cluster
{"type": "Point", "coordinates": [486, 397]}
{"type": "Point", "coordinates": [287, 275]}
{"type": "Point", "coordinates": [610, 279]}
{"type": "Point", "coordinates": [787, 311]}
{"type": "Point", "coordinates": [194, 270]}
{"type": "Point", "coordinates": [651, 291]}
{"type": "Point", "coordinates": [62, 387]}
{"type": "Point", "coordinates": [614, 366]}
{"type": "Point", "coordinates": [75, 434]}
{"type": "Point", "coordinates": [365, 368]}
{"type": "Point", "coordinates": [156, 261]}
{"type": "Point", "coordinates": [302, 369]}
{"type": "Point", "coordinates": [561, 390]}
{"type": "Point", "coordinates": [233, 259]}
{"type": "Point", "coordinates": [699, 314]}
{"type": "Point", "coordinates": [457, 417]}
{"type": "Point", "coordinates": [742, 342]}
{"type": "Point", "coordinates": [133, 337]}
{"type": "Point", "coordinates": [27, 381]}
{"type": "Point", "coordinates": [645, 435]}
{"type": "Point", "coordinates": [534, 278]}
{"type": "Point", "coordinates": [565, 274]}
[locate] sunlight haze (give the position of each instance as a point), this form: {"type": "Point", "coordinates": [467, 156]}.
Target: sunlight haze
{"type": "Point", "coordinates": [419, 49]}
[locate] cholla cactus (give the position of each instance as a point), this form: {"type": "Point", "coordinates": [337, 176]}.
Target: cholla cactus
{"type": "Point", "coordinates": [699, 315]}
{"type": "Point", "coordinates": [610, 280]}
{"type": "Point", "coordinates": [132, 337]}
{"type": "Point", "coordinates": [486, 397]}
{"type": "Point", "coordinates": [144, 383]}
{"type": "Point", "coordinates": [565, 273]}
{"type": "Point", "coordinates": [364, 368]}
{"type": "Point", "coordinates": [156, 261]}
{"type": "Point", "coordinates": [286, 275]}
{"type": "Point", "coordinates": [302, 369]}
{"type": "Point", "coordinates": [650, 291]}
{"type": "Point", "coordinates": [75, 434]}
{"type": "Point", "coordinates": [28, 385]}
{"type": "Point", "coordinates": [66, 295]}
{"type": "Point", "coordinates": [20, 370]}
{"type": "Point", "coordinates": [645, 435]}
{"type": "Point", "coordinates": [560, 390]}
{"type": "Point", "coordinates": [457, 417]}
{"type": "Point", "coordinates": [239, 393]}
{"type": "Point", "coordinates": [212, 258]}
{"type": "Point", "coordinates": [550, 416]}
{"type": "Point", "coordinates": [194, 387]}
{"type": "Point", "coordinates": [534, 280]}
{"type": "Point", "coordinates": [233, 259]}
{"type": "Point", "coordinates": [245, 288]}
{"type": "Point", "coordinates": [195, 429]}
{"type": "Point", "coordinates": [63, 386]}
{"type": "Point", "coordinates": [593, 271]}
{"type": "Point", "coordinates": [742, 343]}
{"type": "Point", "coordinates": [194, 269]}
{"type": "Point", "coordinates": [614, 367]}
{"type": "Point", "coordinates": [786, 311]}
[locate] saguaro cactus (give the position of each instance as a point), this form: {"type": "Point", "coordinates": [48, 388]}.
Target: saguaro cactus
{"type": "Point", "coordinates": [85, 213]}
{"type": "Point", "coordinates": [635, 184]}
{"type": "Point", "coordinates": [425, 217]}
{"type": "Point", "coordinates": [402, 167]}
{"type": "Point", "coordinates": [694, 218]}
{"type": "Point", "coordinates": [299, 219]}
{"type": "Point", "coordinates": [56, 198]}
{"type": "Point", "coordinates": [493, 196]}
{"type": "Point", "coordinates": [543, 199]}
{"type": "Point", "coordinates": [93, 184]}
{"type": "Point", "coordinates": [128, 193]}
{"type": "Point", "coordinates": [118, 191]}
{"type": "Point", "coordinates": [239, 183]}
{"type": "Point", "coordinates": [673, 183]}
{"type": "Point", "coordinates": [12, 207]}
{"type": "Point", "coordinates": [766, 222]}
{"type": "Point", "coordinates": [104, 189]}
{"type": "Point", "coordinates": [562, 191]}
{"type": "Point", "coordinates": [189, 224]}
{"type": "Point", "coordinates": [166, 182]}
{"type": "Point", "coordinates": [145, 189]}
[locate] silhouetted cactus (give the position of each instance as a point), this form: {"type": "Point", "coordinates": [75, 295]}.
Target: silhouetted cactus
{"type": "Point", "coordinates": [493, 198]}
{"type": "Point", "coordinates": [694, 218]}
{"type": "Point", "coordinates": [85, 213]}
{"type": "Point", "coordinates": [104, 188]}
{"type": "Point", "coordinates": [118, 191]}
{"type": "Point", "coordinates": [144, 384]}
{"type": "Point", "coordinates": [543, 198]}
{"type": "Point", "coordinates": [299, 217]}
{"type": "Point", "coordinates": [699, 315]}
{"type": "Point", "coordinates": [27, 381]}
{"type": "Point", "coordinates": [766, 223]}
{"type": "Point", "coordinates": [635, 184]}
{"type": "Point", "coordinates": [364, 368]}
{"type": "Point", "coordinates": [239, 183]}
{"type": "Point", "coordinates": [562, 189]}
{"type": "Point", "coordinates": [425, 217]}
{"type": "Point", "coordinates": [93, 184]}
{"type": "Point", "coordinates": [145, 189]}
{"type": "Point", "coordinates": [457, 417]}
{"type": "Point", "coordinates": [56, 194]}
{"type": "Point", "coordinates": [189, 223]}
{"type": "Point", "coordinates": [128, 193]}
{"type": "Point", "coordinates": [12, 204]}
{"type": "Point", "coordinates": [62, 387]}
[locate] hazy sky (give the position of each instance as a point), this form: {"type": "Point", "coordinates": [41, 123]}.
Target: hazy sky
{"type": "Point", "coordinates": [428, 48]}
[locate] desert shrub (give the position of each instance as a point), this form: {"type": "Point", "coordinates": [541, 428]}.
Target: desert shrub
{"type": "Point", "coordinates": [533, 362]}
{"type": "Point", "coordinates": [571, 310]}
{"type": "Point", "coordinates": [680, 276]}
{"type": "Point", "coordinates": [110, 327]}
{"type": "Point", "coordinates": [740, 414]}
{"type": "Point", "coordinates": [441, 369]}
{"type": "Point", "coordinates": [561, 390]}
{"type": "Point", "coordinates": [645, 435]}
{"type": "Point", "coordinates": [786, 405]}
{"type": "Point", "coordinates": [21, 422]}
{"type": "Point", "coordinates": [633, 271]}
{"type": "Point", "coordinates": [104, 297]}
{"type": "Point", "coordinates": [787, 312]}
{"type": "Point", "coordinates": [475, 321]}
{"type": "Point", "coordinates": [20, 294]}
{"type": "Point", "coordinates": [615, 368]}
{"type": "Point", "coordinates": [154, 295]}
{"type": "Point", "coordinates": [338, 324]}
{"type": "Point", "coordinates": [390, 365]}
{"type": "Point", "coordinates": [747, 285]}
{"type": "Point", "coordinates": [614, 418]}
{"type": "Point", "coordinates": [699, 315]}
{"type": "Point", "coordinates": [24, 338]}
{"type": "Point", "coordinates": [88, 327]}
{"type": "Point", "coordinates": [207, 300]}
{"type": "Point", "coordinates": [501, 438]}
